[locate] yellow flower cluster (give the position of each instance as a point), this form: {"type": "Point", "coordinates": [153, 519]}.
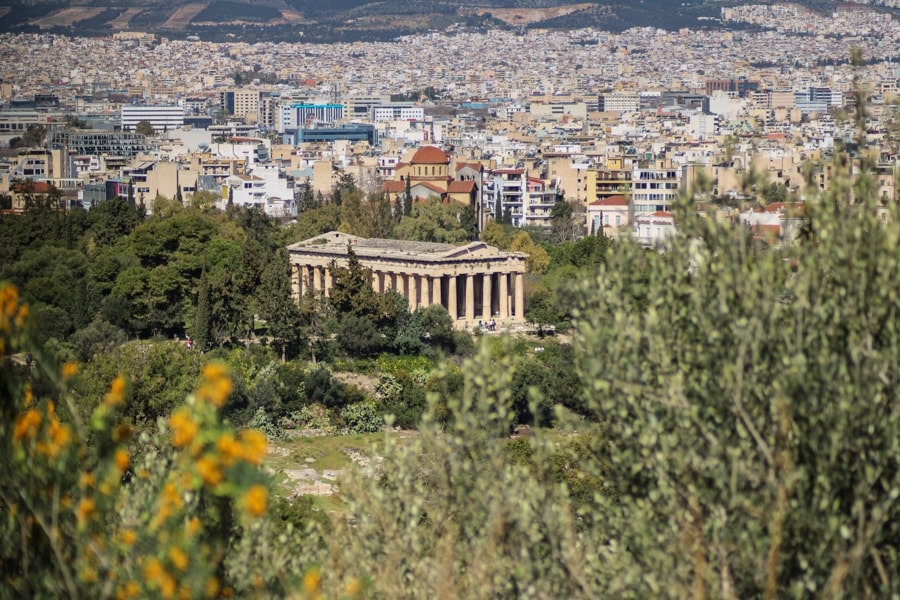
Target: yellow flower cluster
{"type": "Point", "coordinates": [11, 314]}
{"type": "Point", "coordinates": [116, 394]}
{"type": "Point", "coordinates": [70, 369]}
{"type": "Point", "coordinates": [156, 575]}
{"type": "Point", "coordinates": [184, 428]}
{"type": "Point", "coordinates": [28, 427]}
{"type": "Point", "coordinates": [217, 385]}
{"type": "Point", "coordinates": [256, 500]}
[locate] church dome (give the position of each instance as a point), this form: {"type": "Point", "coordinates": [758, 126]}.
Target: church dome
{"type": "Point", "coordinates": [429, 155]}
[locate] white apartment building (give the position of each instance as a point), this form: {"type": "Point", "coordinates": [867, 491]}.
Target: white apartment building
{"type": "Point", "coordinates": [397, 111]}
{"type": "Point", "coordinates": [654, 189]}
{"type": "Point", "coordinates": [265, 188]}
{"type": "Point", "coordinates": [620, 102]}
{"type": "Point", "coordinates": [161, 118]}
{"type": "Point", "coordinates": [293, 116]}
{"type": "Point", "coordinates": [528, 201]}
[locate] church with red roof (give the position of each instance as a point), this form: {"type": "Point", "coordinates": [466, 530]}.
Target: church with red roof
{"type": "Point", "coordinates": [428, 173]}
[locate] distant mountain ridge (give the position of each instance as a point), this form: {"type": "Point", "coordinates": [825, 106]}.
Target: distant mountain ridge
{"type": "Point", "coordinates": [347, 20]}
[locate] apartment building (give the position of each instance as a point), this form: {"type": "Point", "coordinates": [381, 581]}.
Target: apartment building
{"type": "Point", "coordinates": [654, 188]}
{"type": "Point", "coordinates": [161, 118]}
{"type": "Point", "coordinates": [619, 101]}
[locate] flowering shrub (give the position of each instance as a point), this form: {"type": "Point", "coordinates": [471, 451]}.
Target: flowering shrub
{"type": "Point", "coordinates": [86, 515]}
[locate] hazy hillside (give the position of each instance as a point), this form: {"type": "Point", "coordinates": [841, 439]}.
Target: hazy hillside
{"type": "Point", "coordinates": [344, 20]}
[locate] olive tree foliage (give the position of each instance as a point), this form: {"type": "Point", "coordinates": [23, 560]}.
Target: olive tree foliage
{"type": "Point", "coordinates": [753, 408]}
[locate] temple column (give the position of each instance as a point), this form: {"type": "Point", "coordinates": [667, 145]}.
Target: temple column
{"type": "Point", "coordinates": [311, 273]}
{"type": "Point", "coordinates": [520, 297]}
{"type": "Point", "coordinates": [376, 282]}
{"type": "Point", "coordinates": [412, 291]}
{"type": "Point", "coordinates": [436, 290]}
{"type": "Point", "coordinates": [451, 298]}
{"type": "Point", "coordinates": [328, 281]}
{"type": "Point", "coordinates": [425, 290]}
{"type": "Point", "coordinates": [486, 296]}
{"type": "Point", "coordinates": [400, 282]}
{"type": "Point", "coordinates": [296, 290]}
{"type": "Point", "coordinates": [504, 295]}
{"type": "Point", "coordinates": [470, 297]}
{"type": "Point", "coordinates": [388, 279]}
{"type": "Point", "coordinates": [319, 271]}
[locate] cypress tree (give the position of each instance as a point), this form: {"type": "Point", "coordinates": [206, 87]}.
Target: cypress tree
{"type": "Point", "coordinates": [202, 319]}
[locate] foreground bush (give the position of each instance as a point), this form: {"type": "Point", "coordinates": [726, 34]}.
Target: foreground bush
{"type": "Point", "coordinates": [87, 515]}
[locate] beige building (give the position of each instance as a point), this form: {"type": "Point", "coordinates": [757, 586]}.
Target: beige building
{"type": "Point", "coordinates": [474, 282]}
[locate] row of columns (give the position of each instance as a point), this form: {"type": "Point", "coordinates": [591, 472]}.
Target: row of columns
{"type": "Point", "coordinates": [505, 301]}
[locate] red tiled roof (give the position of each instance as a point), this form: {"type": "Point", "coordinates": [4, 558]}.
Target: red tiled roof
{"type": "Point", "coordinates": [431, 156]}
{"type": "Point", "coordinates": [461, 187]}
{"type": "Point", "coordinates": [392, 187]}
{"type": "Point", "coordinates": [430, 186]}
{"type": "Point", "coordinates": [617, 200]}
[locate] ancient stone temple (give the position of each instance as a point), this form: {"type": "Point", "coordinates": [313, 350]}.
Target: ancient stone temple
{"type": "Point", "coordinates": [474, 282]}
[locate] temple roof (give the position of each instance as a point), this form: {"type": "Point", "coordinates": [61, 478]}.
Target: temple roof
{"type": "Point", "coordinates": [335, 243]}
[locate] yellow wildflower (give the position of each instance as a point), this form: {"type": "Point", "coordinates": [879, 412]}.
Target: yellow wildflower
{"type": "Point", "coordinates": [229, 448]}
{"type": "Point", "coordinates": [27, 424]}
{"type": "Point", "coordinates": [59, 435]}
{"type": "Point", "coordinates": [9, 299]}
{"type": "Point", "coordinates": [167, 586]}
{"type": "Point", "coordinates": [209, 469]}
{"type": "Point", "coordinates": [170, 501]}
{"type": "Point", "coordinates": [178, 557]}
{"type": "Point", "coordinates": [153, 570]}
{"type": "Point", "coordinates": [129, 590]}
{"type": "Point", "coordinates": [87, 479]}
{"type": "Point", "coordinates": [255, 501]}
{"type": "Point", "coordinates": [21, 315]}
{"type": "Point", "coordinates": [254, 445]}
{"type": "Point", "coordinates": [311, 581]}
{"type": "Point", "coordinates": [217, 385]}
{"type": "Point", "coordinates": [184, 429]}
{"type": "Point", "coordinates": [128, 537]}
{"type": "Point", "coordinates": [212, 587]}
{"type": "Point", "coordinates": [70, 369]}
{"type": "Point", "coordinates": [193, 526]}
{"type": "Point", "coordinates": [122, 459]}
{"type": "Point", "coordinates": [85, 509]}
{"type": "Point", "coordinates": [116, 394]}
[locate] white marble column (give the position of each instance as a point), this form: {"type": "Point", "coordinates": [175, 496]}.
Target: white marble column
{"type": "Point", "coordinates": [451, 298]}
{"type": "Point", "coordinates": [486, 291]}
{"type": "Point", "coordinates": [328, 281]}
{"type": "Point", "coordinates": [470, 297]}
{"type": "Point", "coordinates": [520, 297]}
{"type": "Point", "coordinates": [425, 290]}
{"type": "Point", "coordinates": [376, 282]}
{"type": "Point", "coordinates": [436, 290]}
{"type": "Point", "coordinates": [388, 279]}
{"type": "Point", "coordinates": [400, 284]}
{"type": "Point", "coordinates": [413, 292]}
{"type": "Point", "coordinates": [311, 273]}
{"type": "Point", "coordinates": [504, 295]}
{"type": "Point", "coordinates": [296, 289]}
